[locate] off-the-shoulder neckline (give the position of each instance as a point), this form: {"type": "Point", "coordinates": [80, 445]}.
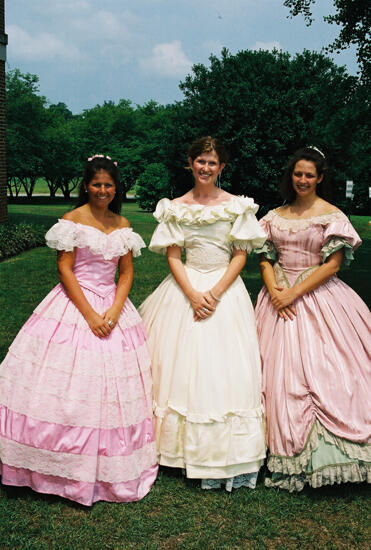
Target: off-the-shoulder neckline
{"type": "Point", "coordinates": [92, 227]}
{"type": "Point", "coordinates": [310, 218]}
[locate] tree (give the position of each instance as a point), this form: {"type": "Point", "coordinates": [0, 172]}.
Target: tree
{"type": "Point", "coordinates": [152, 185]}
{"type": "Point", "coordinates": [354, 18]}
{"type": "Point", "coordinates": [26, 125]}
{"type": "Point", "coordinates": [264, 105]}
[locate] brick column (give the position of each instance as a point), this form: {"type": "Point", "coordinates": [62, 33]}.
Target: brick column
{"type": "Point", "coordinates": [3, 188]}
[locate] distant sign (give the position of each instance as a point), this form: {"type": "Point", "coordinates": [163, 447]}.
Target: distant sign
{"type": "Point", "coordinates": [349, 189]}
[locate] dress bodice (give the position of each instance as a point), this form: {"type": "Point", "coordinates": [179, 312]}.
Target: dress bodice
{"type": "Point", "coordinates": [300, 244]}
{"type": "Point", "coordinates": [207, 233]}
{"type": "Point", "coordinates": [96, 253]}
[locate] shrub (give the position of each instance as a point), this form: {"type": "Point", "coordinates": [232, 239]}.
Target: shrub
{"type": "Point", "coordinates": [152, 185]}
{"type": "Point", "coordinates": [17, 237]}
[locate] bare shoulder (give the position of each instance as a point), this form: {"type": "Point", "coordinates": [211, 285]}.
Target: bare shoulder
{"type": "Point", "coordinates": [72, 215]}
{"type": "Point", "coordinates": [325, 207]}
{"type": "Point", "coordinates": [122, 222]}
{"type": "Point", "coordinates": [183, 199]}
{"type": "Point", "coordinates": [281, 209]}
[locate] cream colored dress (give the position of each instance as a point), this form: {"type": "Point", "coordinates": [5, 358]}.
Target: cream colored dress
{"type": "Point", "coordinates": [207, 374]}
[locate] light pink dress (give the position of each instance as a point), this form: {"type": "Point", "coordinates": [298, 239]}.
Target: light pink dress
{"type": "Point", "coordinates": [316, 368]}
{"type": "Point", "coordinates": [75, 410]}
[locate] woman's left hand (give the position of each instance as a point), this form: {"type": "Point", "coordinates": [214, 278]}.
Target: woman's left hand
{"type": "Point", "coordinates": [111, 316]}
{"type": "Point", "coordinates": [284, 298]}
{"type": "Point", "coordinates": [206, 311]}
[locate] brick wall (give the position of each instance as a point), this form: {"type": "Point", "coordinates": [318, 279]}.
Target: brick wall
{"type": "Point", "coordinates": [3, 200]}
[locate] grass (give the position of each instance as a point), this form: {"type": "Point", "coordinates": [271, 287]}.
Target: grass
{"type": "Point", "coordinates": [176, 514]}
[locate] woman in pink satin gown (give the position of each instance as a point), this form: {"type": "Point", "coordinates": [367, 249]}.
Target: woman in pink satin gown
{"type": "Point", "coordinates": [314, 334]}
{"type": "Point", "coordinates": [75, 386]}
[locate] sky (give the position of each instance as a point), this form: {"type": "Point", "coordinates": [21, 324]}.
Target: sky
{"type": "Point", "coordinates": [86, 52]}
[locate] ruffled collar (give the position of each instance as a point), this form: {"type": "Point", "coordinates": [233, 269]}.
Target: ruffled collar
{"type": "Point", "coordinates": [189, 214]}
{"type": "Point", "coordinates": [300, 224]}
{"type": "Point", "coordinates": [66, 235]}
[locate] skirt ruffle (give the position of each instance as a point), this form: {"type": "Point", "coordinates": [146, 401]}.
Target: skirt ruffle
{"type": "Point", "coordinates": [75, 410]}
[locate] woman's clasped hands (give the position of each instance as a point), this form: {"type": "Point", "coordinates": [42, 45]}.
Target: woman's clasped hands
{"type": "Point", "coordinates": [203, 305]}
{"type": "Point", "coordinates": [282, 300]}
{"type": "Point", "coordinates": [102, 325]}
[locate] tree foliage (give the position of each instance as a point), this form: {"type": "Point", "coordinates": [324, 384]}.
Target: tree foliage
{"type": "Point", "coordinates": [264, 105]}
{"type": "Point", "coordinates": [26, 124]}
{"type": "Point", "coordinates": [354, 19]}
{"type": "Point", "coordinates": [152, 185]}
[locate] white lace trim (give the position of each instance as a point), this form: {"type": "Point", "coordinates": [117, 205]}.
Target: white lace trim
{"type": "Point", "coordinates": [116, 469]}
{"type": "Point", "coordinates": [167, 211]}
{"type": "Point", "coordinates": [291, 465]}
{"type": "Point", "coordinates": [66, 235]}
{"type": "Point", "coordinates": [296, 225]}
{"type": "Point", "coordinates": [242, 480]}
{"type": "Point", "coordinates": [340, 473]}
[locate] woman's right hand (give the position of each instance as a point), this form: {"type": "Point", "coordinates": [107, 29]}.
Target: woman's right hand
{"type": "Point", "coordinates": [201, 304]}
{"type": "Point", "coordinates": [287, 312]}
{"type": "Point", "coordinates": [98, 325]}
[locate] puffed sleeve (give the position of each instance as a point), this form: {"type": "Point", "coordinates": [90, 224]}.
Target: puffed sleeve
{"type": "Point", "coordinates": [246, 233]}
{"type": "Point", "coordinates": [62, 236]}
{"type": "Point", "coordinates": [340, 234]}
{"type": "Point", "coordinates": [168, 232]}
{"type": "Point", "coordinates": [268, 249]}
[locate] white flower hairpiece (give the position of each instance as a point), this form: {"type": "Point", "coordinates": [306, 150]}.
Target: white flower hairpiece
{"type": "Point", "coordinates": [102, 157]}
{"type": "Point", "coordinates": [316, 149]}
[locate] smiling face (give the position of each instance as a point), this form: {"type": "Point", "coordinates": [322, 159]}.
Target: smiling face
{"type": "Point", "coordinates": [305, 178]}
{"type": "Point", "coordinates": [101, 189]}
{"type": "Point", "coordinates": [205, 168]}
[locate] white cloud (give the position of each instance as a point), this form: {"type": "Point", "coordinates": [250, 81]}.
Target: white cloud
{"type": "Point", "coordinates": [42, 46]}
{"type": "Point", "coordinates": [167, 59]}
{"type": "Point", "coordinates": [267, 46]}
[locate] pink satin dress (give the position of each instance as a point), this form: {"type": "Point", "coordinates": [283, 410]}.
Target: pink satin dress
{"type": "Point", "coordinates": [76, 410]}
{"type": "Point", "coordinates": [317, 367]}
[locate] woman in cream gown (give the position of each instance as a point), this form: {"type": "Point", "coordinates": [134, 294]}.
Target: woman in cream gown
{"type": "Point", "coordinates": [202, 334]}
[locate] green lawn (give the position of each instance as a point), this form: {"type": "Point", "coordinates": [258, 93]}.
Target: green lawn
{"type": "Point", "coordinates": [176, 514]}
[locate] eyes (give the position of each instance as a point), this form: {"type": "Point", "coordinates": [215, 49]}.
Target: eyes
{"type": "Point", "coordinates": [308, 175]}
{"type": "Point", "coordinates": [99, 185]}
{"type": "Point", "coordinates": [203, 162]}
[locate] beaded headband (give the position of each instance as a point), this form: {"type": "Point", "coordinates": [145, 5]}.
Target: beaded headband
{"type": "Point", "coordinates": [102, 157]}
{"type": "Point", "coordinates": [316, 149]}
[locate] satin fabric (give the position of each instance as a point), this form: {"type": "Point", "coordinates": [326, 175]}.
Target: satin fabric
{"type": "Point", "coordinates": [75, 410]}
{"type": "Point", "coordinates": [207, 380]}
{"type": "Point", "coordinates": [317, 366]}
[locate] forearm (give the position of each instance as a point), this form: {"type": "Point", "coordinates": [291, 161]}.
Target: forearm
{"type": "Point", "coordinates": [230, 275]}
{"type": "Point", "coordinates": [317, 278]}
{"type": "Point", "coordinates": [124, 284]}
{"type": "Point", "coordinates": [267, 272]}
{"type": "Point", "coordinates": [180, 275]}
{"type": "Point", "coordinates": [73, 289]}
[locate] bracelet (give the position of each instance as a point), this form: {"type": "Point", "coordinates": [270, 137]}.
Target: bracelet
{"type": "Point", "coordinates": [214, 297]}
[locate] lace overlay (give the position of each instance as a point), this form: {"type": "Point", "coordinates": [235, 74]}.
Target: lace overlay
{"type": "Point", "coordinates": [292, 473]}
{"type": "Point", "coordinates": [300, 224]}
{"type": "Point", "coordinates": [66, 235]}
{"type": "Point", "coordinates": [243, 480]}
{"type": "Point", "coordinates": [78, 467]}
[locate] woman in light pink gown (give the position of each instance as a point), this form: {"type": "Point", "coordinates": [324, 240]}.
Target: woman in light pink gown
{"type": "Point", "coordinates": [314, 334]}
{"type": "Point", "coordinates": [75, 386]}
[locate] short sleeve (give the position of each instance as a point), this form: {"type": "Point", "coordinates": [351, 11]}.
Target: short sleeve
{"type": "Point", "coordinates": [62, 236]}
{"type": "Point", "coordinates": [268, 249]}
{"type": "Point", "coordinates": [337, 235]}
{"type": "Point", "coordinates": [168, 232]}
{"type": "Point", "coordinates": [246, 233]}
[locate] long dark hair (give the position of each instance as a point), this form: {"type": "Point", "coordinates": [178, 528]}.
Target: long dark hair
{"type": "Point", "coordinates": [306, 153]}
{"type": "Point", "coordinates": [96, 164]}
